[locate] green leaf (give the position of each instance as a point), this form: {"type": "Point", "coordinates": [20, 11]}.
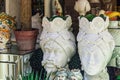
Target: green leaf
{"type": "Point", "coordinates": [53, 17]}
{"type": "Point", "coordinates": [90, 16]}
{"type": "Point", "coordinates": [32, 76]}
{"type": "Point", "coordinates": [9, 21]}
{"type": "Point", "coordinates": [118, 77]}
{"type": "Point", "coordinates": [24, 78]}
{"type": "Point", "coordinates": [81, 16]}
{"type": "Point", "coordinates": [102, 16]}
{"type": "Point", "coordinates": [11, 78]}
{"type": "Point", "coordinates": [36, 76]}
{"type": "Point", "coordinates": [45, 76]}
{"type": "Point", "coordinates": [48, 76]}
{"type": "Point", "coordinates": [40, 78]}
{"type": "Point", "coordinates": [29, 76]}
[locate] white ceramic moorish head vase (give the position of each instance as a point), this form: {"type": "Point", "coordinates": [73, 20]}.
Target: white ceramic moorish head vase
{"type": "Point", "coordinates": [95, 44]}
{"type": "Point", "coordinates": [6, 24]}
{"type": "Point", "coordinates": [57, 42]}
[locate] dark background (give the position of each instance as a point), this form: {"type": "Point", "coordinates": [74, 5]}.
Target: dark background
{"type": "Point", "coordinates": [118, 2]}
{"type": "Point", "coordinates": [2, 6]}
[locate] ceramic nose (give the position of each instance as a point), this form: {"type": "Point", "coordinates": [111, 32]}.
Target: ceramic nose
{"type": "Point", "coordinates": [51, 56]}
{"type": "Point", "coordinates": [91, 59]}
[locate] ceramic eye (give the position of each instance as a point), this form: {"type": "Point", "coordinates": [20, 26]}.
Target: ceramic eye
{"type": "Point", "coordinates": [3, 26]}
{"type": "Point", "coordinates": [0, 38]}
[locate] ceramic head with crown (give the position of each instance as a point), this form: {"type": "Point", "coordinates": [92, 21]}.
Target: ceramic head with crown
{"type": "Point", "coordinates": [57, 43]}
{"type": "Point", "coordinates": [7, 24]}
{"type": "Point", "coordinates": [95, 46]}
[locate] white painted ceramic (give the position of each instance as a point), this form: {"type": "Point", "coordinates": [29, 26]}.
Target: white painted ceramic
{"type": "Point", "coordinates": [95, 45]}
{"type": "Point", "coordinates": [61, 74]}
{"type": "Point", "coordinates": [82, 6]}
{"type": "Point", "coordinates": [75, 74]}
{"type": "Point", "coordinates": [94, 1]}
{"type": "Point", "coordinates": [119, 24]}
{"type": "Point", "coordinates": [66, 74]}
{"type": "Point", "coordinates": [116, 35]}
{"type": "Point", "coordinates": [115, 60]}
{"type": "Point", "coordinates": [57, 43]}
{"type": "Point", "coordinates": [101, 76]}
{"type": "Point", "coordinates": [113, 24]}
{"type": "Point", "coordinates": [37, 23]}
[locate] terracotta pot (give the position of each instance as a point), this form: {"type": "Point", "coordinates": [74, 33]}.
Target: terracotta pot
{"type": "Point", "coordinates": [26, 40]}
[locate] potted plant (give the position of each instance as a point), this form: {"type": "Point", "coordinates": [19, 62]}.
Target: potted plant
{"type": "Point", "coordinates": [30, 76]}
{"type": "Point", "coordinates": [26, 35]}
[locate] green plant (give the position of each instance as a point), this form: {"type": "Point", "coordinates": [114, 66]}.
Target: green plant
{"type": "Point", "coordinates": [36, 76]}
{"type": "Point", "coordinates": [118, 77]}
{"type": "Point", "coordinates": [30, 76]}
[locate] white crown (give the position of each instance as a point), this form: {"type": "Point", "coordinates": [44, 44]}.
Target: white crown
{"type": "Point", "coordinates": [57, 24]}
{"type": "Point", "coordinates": [98, 24]}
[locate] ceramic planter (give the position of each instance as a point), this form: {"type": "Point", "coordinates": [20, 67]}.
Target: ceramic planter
{"type": "Point", "coordinates": [26, 40]}
{"type": "Point", "coordinates": [57, 43]}
{"type": "Point", "coordinates": [95, 46]}
{"type": "Point", "coordinates": [113, 24]}
{"type": "Point", "coordinates": [115, 60]}
{"type": "Point", "coordinates": [7, 24]}
{"type": "Point", "coordinates": [116, 35]}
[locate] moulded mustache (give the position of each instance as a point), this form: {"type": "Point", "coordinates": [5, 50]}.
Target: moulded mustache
{"type": "Point", "coordinates": [49, 62]}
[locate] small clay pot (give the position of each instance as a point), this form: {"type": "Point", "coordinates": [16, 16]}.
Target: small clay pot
{"type": "Point", "coordinates": [26, 40]}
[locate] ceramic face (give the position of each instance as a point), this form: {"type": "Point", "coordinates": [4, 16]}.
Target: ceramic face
{"type": "Point", "coordinates": [101, 76]}
{"type": "Point", "coordinates": [54, 57]}
{"type": "Point", "coordinates": [61, 76]}
{"type": "Point", "coordinates": [4, 36]}
{"type": "Point", "coordinates": [92, 62]}
{"type": "Point", "coordinates": [94, 53]}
